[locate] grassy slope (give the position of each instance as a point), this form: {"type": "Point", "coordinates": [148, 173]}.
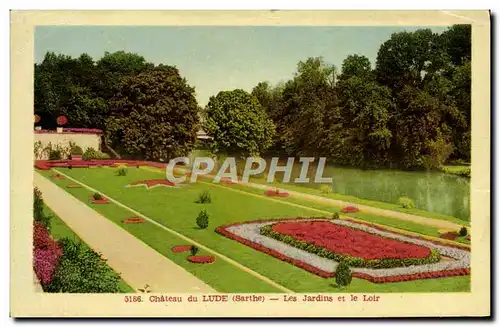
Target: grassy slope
{"type": "Point", "coordinates": [176, 209]}
{"type": "Point", "coordinates": [59, 230]}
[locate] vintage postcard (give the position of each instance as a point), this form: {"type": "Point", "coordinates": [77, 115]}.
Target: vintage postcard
{"type": "Point", "coordinates": [250, 164]}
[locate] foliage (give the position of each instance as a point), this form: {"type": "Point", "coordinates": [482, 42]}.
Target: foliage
{"type": "Point", "coordinates": [155, 115]}
{"type": "Point", "coordinates": [204, 197]}
{"type": "Point", "coordinates": [202, 219]}
{"type": "Point", "coordinates": [82, 270]}
{"type": "Point", "coordinates": [406, 202]}
{"type": "Point", "coordinates": [38, 205]}
{"type": "Point", "coordinates": [97, 196]}
{"type": "Point", "coordinates": [77, 150]}
{"type": "Point", "coordinates": [194, 250]}
{"type": "Point", "coordinates": [121, 172]}
{"type": "Point", "coordinates": [336, 216]}
{"type": "Point", "coordinates": [238, 124]}
{"type": "Point", "coordinates": [37, 150]}
{"type": "Point", "coordinates": [91, 153]}
{"type": "Point", "coordinates": [46, 254]}
{"type": "Point", "coordinates": [343, 274]}
{"type": "Point", "coordinates": [325, 189]}
{"type": "Point", "coordinates": [463, 231]}
{"type": "Point", "coordinates": [465, 172]}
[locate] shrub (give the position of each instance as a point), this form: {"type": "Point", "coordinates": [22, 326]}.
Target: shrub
{"type": "Point", "coordinates": [55, 154]}
{"type": "Point", "coordinates": [121, 172]}
{"type": "Point", "coordinates": [325, 189]}
{"type": "Point", "coordinates": [406, 202]}
{"type": "Point", "coordinates": [91, 153]}
{"type": "Point", "coordinates": [82, 270]}
{"type": "Point", "coordinates": [202, 219]}
{"type": "Point", "coordinates": [194, 250]}
{"type": "Point", "coordinates": [343, 274]}
{"type": "Point", "coordinates": [336, 215]}
{"type": "Point", "coordinates": [38, 205]}
{"type": "Point", "coordinates": [97, 196]}
{"type": "Point", "coordinates": [77, 150]}
{"type": "Point", "coordinates": [463, 231]}
{"type": "Point", "coordinates": [204, 197]}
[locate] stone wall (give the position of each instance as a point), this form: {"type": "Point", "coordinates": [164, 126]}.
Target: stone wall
{"type": "Point", "coordinates": [84, 140]}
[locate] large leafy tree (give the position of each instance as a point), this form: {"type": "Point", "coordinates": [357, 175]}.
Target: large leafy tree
{"type": "Point", "coordinates": [365, 109]}
{"type": "Point", "coordinates": [356, 65]}
{"type": "Point", "coordinates": [308, 99]}
{"type": "Point", "coordinates": [238, 124]}
{"type": "Point", "coordinates": [154, 115]}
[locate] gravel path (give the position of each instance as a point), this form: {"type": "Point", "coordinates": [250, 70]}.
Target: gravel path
{"type": "Point", "coordinates": [137, 263]}
{"type": "Point", "coordinates": [251, 232]}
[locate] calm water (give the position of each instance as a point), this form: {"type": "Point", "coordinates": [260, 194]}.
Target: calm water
{"type": "Point", "coordinates": [431, 191]}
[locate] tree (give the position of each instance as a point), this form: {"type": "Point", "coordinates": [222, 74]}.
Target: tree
{"type": "Point", "coordinates": [238, 124]}
{"type": "Point", "coordinates": [366, 109]}
{"type": "Point", "coordinates": [457, 43]}
{"type": "Point", "coordinates": [409, 59]}
{"type": "Point", "coordinates": [308, 100]}
{"type": "Point", "coordinates": [356, 65]}
{"type": "Point", "coordinates": [154, 115]}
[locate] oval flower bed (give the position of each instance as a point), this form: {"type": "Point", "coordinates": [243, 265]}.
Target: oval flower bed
{"type": "Point", "coordinates": [133, 220]}
{"type": "Point", "coordinates": [449, 235]}
{"type": "Point", "coordinates": [100, 201]}
{"type": "Point", "coordinates": [73, 186]}
{"type": "Point", "coordinates": [201, 258]}
{"type": "Point", "coordinates": [58, 176]}
{"type": "Point", "coordinates": [276, 193]}
{"type": "Point", "coordinates": [181, 248]}
{"type": "Point", "coordinates": [357, 247]}
{"type": "Point", "coordinates": [457, 260]}
{"type": "Point", "coordinates": [349, 209]}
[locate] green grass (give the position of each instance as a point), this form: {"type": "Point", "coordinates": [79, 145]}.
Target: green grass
{"type": "Point", "coordinates": [176, 208]}
{"type": "Point", "coordinates": [356, 200]}
{"type": "Point", "coordinates": [59, 230]}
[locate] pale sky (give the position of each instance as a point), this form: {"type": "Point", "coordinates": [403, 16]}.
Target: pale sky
{"type": "Point", "coordinates": [214, 59]}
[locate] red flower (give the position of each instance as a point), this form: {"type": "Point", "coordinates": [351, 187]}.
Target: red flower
{"type": "Point", "coordinates": [62, 120]}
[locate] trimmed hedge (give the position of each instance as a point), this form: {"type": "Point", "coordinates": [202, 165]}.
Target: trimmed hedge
{"type": "Point", "coordinates": [350, 260]}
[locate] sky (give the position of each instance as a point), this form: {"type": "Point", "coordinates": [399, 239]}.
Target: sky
{"type": "Point", "coordinates": [213, 58]}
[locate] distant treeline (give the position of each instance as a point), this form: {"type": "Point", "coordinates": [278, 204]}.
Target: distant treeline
{"type": "Point", "coordinates": [411, 111]}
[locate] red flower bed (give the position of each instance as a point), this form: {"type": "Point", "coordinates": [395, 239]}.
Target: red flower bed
{"type": "Point", "coordinates": [222, 230]}
{"type": "Point", "coordinates": [46, 254]}
{"type": "Point", "coordinates": [201, 258]}
{"type": "Point", "coordinates": [449, 236]}
{"type": "Point", "coordinates": [154, 182]}
{"type": "Point", "coordinates": [133, 220]}
{"type": "Point", "coordinates": [349, 209]}
{"type": "Point", "coordinates": [73, 186]}
{"type": "Point", "coordinates": [276, 193]}
{"type": "Point", "coordinates": [181, 248]}
{"type": "Point", "coordinates": [101, 201]}
{"type": "Point", "coordinates": [345, 240]}
{"type": "Point", "coordinates": [227, 180]}
{"type": "Point", "coordinates": [457, 246]}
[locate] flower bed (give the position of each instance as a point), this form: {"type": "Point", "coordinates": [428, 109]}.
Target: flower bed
{"type": "Point", "coordinates": [249, 234]}
{"type": "Point", "coordinates": [276, 193]}
{"type": "Point", "coordinates": [349, 209]}
{"type": "Point", "coordinates": [154, 183]}
{"type": "Point", "coordinates": [358, 248]}
{"type": "Point", "coordinates": [46, 254]}
{"type": "Point", "coordinates": [181, 248]}
{"type": "Point", "coordinates": [449, 236]}
{"type": "Point", "coordinates": [58, 177]}
{"type": "Point", "coordinates": [227, 180]}
{"type": "Point", "coordinates": [201, 258]}
{"type": "Point", "coordinates": [100, 201]}
{"type": "Point", "coordinates": [133, 220]}
{"type": "Point", "coordinates": [73, 186]}
{"type": "Point", "coordinates": [48, 164]}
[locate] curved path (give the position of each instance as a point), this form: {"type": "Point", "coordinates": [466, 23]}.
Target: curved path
{"type": "Point", "coordinates": [137, 263]}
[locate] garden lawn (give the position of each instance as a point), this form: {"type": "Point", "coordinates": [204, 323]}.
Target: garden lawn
{"type": "Point", "coordinates": [176, 209]}
{"type": "Point", "coordinates": [59, 230]}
